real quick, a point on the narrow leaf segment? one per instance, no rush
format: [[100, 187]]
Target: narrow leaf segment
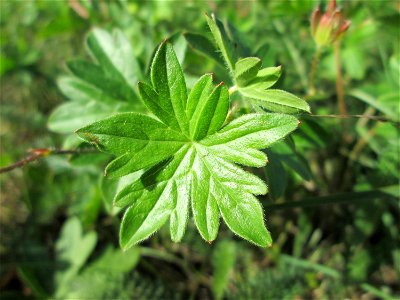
[[189, 158]]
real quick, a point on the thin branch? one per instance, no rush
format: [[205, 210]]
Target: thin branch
[[375, 118], [39, 153]]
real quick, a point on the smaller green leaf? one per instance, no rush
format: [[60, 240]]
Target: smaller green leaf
[[265, 78], [67, 117], [94, 75], [114, 53], [246, 70], [77, 89], [223, 260], [257, 131], [222, 40], [276, 100]]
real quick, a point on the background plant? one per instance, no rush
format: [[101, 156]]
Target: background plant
[[348, 247]]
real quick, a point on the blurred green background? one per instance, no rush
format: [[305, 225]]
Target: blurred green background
[[332, 209]]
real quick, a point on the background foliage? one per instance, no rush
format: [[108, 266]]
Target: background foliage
[[332, 208]]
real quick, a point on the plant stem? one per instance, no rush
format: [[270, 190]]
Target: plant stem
[[314, 65], [339, 80], [36, 154], [361, 117], [362, 142]]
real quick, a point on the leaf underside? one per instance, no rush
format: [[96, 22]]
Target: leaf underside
[[189, 157]]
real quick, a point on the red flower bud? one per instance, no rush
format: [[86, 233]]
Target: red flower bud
[[327, 28]]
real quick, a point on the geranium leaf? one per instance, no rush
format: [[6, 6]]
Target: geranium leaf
[[188, 158]]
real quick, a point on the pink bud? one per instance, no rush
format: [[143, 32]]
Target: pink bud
[[328, 27], [315, 18], [331, 7]]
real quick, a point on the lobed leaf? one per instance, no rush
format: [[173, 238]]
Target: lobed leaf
[[187, 157]]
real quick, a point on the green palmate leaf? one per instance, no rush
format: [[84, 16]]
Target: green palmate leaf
[[188, 158], [265, 78], [101, 88]]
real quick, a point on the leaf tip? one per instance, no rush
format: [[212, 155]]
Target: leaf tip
[[221, 84], [211, 74], [209, 242]]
